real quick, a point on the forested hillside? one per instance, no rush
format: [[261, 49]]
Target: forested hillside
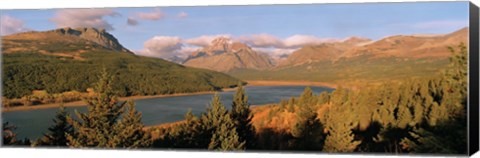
[[60, 72]]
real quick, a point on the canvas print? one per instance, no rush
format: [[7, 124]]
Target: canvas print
[[387, 78]]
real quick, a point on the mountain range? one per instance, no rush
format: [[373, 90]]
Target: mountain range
[[228, 56]]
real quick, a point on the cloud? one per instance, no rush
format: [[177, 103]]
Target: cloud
[[161, 46], [294, 41], [204, 40], [261, 40], [132, 22], [182, 15], [84, 18], [154, 15], [11, 25], [276, 53], [302, 40], [170, 46]]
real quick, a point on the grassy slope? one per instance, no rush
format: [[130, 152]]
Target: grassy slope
[[351, 70]]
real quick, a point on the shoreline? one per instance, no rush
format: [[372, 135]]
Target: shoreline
[[249, 83], [289, 83], [82, 103]]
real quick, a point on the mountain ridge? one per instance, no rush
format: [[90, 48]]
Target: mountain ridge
[[225, 55]]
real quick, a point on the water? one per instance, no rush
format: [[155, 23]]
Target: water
[[32, 124]]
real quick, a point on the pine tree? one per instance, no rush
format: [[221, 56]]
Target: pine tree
[[340, 121], [100, 126], [130, 133], [242, 117], [226, 138], [323, 98], [308, 131], [340, 137], [224, 135], [58, 132]]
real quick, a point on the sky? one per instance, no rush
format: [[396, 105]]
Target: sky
[[276, 29]]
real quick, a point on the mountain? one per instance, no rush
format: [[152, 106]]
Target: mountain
[[65, 60], [225, 55], [92, 37], [357, 59], [401, 46], [324, 52], [411, 46]]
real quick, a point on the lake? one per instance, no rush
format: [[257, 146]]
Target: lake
[[33, 123]]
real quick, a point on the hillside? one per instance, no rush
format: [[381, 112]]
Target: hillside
[[224, 55], [356, 60], [58, 61]]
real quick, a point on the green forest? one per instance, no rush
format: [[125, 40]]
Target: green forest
[[425, 115], [63, 79]]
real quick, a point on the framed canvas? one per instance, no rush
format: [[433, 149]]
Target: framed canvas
[[322, 78]]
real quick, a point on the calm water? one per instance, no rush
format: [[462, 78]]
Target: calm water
[[32, 124]]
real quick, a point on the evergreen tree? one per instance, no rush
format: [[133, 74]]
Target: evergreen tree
[[340, 121], [308, 131], [101, 126], [323, 98], [57, 132], [224, 135], [130, 133], [242, 117]]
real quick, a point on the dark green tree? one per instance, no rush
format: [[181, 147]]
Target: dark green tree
[[57, 132], [224, 135], [308, 131], [242, 117], [101, 126]]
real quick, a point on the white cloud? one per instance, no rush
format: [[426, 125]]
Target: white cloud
[[294, 41], [261, 40], [83, 18], [204, 40], [302, 40], [154, 15], [11, 25], [182, 15], [276, 53], [161, 46], [170, 46]]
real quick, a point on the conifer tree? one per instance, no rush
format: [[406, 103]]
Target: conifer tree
[[308, 131], [58, 132], [224, 135], [100, 126], [242, 117], [340, 121], [130, 133]]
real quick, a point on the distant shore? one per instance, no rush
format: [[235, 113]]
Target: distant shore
[[250, 83], [82, 103], [289, 83]]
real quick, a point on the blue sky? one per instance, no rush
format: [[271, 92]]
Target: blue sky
[[175, 25]]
